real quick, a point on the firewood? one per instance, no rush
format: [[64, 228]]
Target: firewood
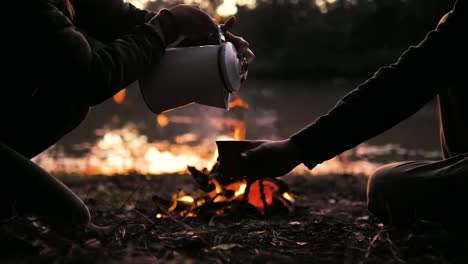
[[202, 179]]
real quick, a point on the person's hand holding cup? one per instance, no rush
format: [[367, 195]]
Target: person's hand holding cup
[[257, 159]]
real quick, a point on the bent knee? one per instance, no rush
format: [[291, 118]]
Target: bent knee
[[380, 187], [75, 217], [443, 20], [71, 210], [82, 215], [380, 180]]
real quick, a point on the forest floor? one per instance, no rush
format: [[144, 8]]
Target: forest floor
[[329, 224]]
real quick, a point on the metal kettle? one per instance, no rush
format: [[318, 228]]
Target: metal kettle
[[205, 75]]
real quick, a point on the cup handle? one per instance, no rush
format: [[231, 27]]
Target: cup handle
[[176, 42]]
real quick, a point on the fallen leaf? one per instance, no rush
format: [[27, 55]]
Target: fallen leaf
[[364, 217], [225, 246], [92, 243], [359, 236], [46, 251], [122, 232], [129, 207], [295, 223]]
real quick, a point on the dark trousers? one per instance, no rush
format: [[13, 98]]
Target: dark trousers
[[27, 189], [428, 190]]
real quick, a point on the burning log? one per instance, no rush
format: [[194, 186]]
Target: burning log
[[202, 179], [262, 197]]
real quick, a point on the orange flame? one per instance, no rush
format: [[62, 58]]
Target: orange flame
[[237, 126], [120, 96], [238, 102], [239, 132], [162, 120]]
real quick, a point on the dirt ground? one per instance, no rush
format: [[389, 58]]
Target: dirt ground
[[330, 224]]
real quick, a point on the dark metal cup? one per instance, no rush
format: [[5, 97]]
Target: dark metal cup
[[229, 157]]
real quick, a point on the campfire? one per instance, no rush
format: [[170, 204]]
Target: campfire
[[263, 197], [219, 195]]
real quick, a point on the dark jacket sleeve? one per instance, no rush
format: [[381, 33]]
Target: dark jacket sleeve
[[107, 20], [393, 94], [90, 76]]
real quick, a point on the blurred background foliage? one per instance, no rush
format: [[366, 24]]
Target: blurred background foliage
[[323, 39]]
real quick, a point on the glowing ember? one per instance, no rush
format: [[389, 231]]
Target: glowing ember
[[120, 96], [288, 197], [186, 199], [241, 190]]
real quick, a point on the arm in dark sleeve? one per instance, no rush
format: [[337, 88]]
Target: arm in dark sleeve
[[107, 20], [393, 94], [90, 76]]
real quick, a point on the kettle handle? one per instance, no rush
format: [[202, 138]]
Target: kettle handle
[[222, 38], [181, 38], [176, 42]]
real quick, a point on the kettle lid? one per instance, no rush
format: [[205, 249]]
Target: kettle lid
[[230, 66]]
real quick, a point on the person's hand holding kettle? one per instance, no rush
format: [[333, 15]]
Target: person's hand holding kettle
[[242, 46], [203, 63], [191, 26]]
